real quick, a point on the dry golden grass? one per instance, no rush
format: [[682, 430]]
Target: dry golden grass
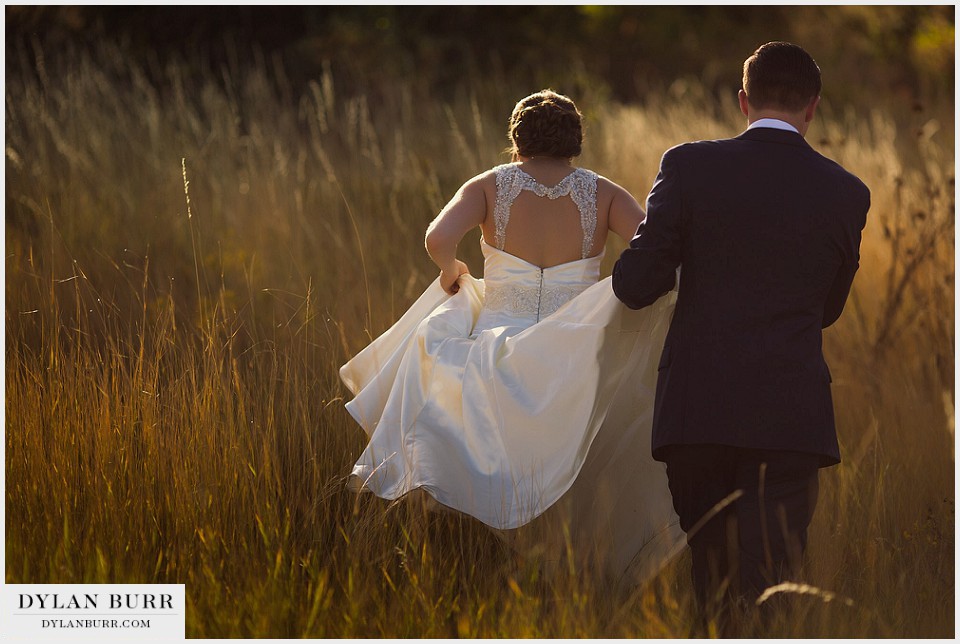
[[173, 407]]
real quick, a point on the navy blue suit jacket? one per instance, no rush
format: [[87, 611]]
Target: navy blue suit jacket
[[767, 234]]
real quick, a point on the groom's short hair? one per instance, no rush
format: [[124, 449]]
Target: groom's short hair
[[781, 75]]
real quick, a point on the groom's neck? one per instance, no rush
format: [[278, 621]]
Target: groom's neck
[[799, 119], [796, 120]]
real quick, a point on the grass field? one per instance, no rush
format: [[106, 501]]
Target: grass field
[[192, 253]]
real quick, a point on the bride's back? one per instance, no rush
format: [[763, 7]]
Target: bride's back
[[541, 230], [544, 233]]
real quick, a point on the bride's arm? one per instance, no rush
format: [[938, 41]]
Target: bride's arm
[[625, 214], [466, 211]]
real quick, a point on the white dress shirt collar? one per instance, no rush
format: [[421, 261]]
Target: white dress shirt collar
[[776, 124]]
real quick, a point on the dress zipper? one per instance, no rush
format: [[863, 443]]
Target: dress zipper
[[539, 294]]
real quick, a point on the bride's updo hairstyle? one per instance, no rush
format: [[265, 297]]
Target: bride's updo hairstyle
[[545, 124]]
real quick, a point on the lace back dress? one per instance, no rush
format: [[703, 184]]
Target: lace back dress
[[494, 399], [518, 293]]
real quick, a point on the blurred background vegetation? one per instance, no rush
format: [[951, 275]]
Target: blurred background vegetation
[[869, 54]]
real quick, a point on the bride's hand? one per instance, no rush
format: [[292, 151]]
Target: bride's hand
[[449, 277]]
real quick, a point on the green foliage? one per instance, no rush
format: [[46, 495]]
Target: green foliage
[[869, 54]]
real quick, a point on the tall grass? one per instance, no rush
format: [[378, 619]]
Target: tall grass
[[173, 407]]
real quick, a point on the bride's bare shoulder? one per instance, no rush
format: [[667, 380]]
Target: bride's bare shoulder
[[485, 181], [608, 185], [489, 177], [608, 190], [491, 174]]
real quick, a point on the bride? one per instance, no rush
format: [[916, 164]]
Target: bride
[[502, 396]]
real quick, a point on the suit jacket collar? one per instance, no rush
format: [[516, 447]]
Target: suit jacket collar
[[773, 135]]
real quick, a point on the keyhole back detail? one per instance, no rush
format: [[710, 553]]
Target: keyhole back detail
[[581, 185]]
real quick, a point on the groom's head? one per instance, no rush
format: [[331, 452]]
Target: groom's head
[[780, 78]]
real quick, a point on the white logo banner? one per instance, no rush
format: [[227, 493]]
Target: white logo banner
[[93, 612]]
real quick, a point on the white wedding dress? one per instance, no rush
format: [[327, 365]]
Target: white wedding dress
[[527, 386]]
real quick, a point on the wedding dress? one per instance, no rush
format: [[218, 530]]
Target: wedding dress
[[529, 385]]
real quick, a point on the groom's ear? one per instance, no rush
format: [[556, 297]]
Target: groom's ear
[[811, 108], [744, 107]]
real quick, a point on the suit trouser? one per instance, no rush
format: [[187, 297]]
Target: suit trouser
[[756, 540]]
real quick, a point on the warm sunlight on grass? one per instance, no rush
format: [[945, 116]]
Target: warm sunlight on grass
[[173, 408]]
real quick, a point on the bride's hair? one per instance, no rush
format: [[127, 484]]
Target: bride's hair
[[545, 124]]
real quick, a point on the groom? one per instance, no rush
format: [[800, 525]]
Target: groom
[[767, 234]]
